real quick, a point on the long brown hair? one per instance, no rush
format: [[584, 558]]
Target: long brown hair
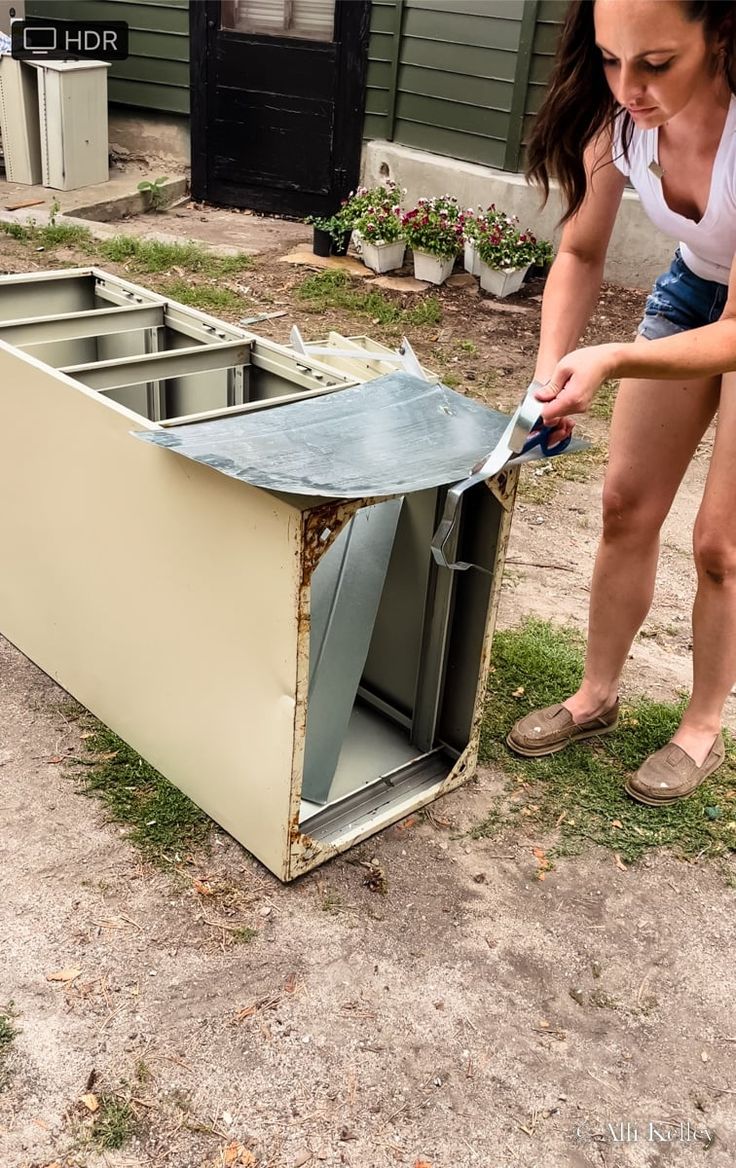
[[579, 103]]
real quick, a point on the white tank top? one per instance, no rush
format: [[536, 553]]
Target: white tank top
[[708, 246]]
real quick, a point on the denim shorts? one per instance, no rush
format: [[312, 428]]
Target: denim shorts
[[680, 300]]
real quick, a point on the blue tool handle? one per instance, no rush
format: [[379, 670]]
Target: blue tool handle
[[540, 436]]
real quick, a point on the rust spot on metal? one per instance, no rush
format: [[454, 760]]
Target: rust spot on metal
[[459, 774], [503, 487], [322, 525], [297, 836]]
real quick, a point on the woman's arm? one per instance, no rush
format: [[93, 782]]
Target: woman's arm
[[699, 352], [574, 281]]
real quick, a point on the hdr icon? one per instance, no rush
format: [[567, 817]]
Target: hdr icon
[[60, 40]]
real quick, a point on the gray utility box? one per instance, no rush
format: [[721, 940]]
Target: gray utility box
[[222, 548]]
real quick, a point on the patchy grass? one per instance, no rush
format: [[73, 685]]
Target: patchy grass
[[539, 481], [426, 311], [603, 402], [139, 255], [51, 236], [206, 297], [330, 290], [114, 1124], [147, 255], [332, 903], [15, 230], [576, 796], [244, 934], [162, 821], [451, 380], [62, 234], [7, 1038]]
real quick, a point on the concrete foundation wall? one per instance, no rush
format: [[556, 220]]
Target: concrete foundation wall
[[637, 252], [140, 134]]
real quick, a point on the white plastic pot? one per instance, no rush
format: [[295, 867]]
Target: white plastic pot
[[433, 269], [502, 281], [382, 257], [471, 259]]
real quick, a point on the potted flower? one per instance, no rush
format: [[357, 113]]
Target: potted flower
[[475, 225], [434, 231], [328, 235], [542, 259], [382, 247], [506, 254], [363, 199]]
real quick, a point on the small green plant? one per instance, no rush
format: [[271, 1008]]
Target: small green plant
[[332, 225], [115, 1122], [54, 211], [542, 254], [154, 188]]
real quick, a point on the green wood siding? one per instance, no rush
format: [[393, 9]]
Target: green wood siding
[[462, 78], [156, 74], [550, 15]]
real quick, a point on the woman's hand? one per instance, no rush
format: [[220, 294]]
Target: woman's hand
[[573, 385]]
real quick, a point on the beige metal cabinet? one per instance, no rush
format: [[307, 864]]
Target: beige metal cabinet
[[72, 110], [297, 664], [19, 123]]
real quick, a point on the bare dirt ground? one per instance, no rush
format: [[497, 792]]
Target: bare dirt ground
[[470, 1017]]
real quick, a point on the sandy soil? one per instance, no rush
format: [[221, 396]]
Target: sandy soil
[[471, 1017]]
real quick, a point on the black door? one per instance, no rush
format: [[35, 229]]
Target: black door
[[277, 102]]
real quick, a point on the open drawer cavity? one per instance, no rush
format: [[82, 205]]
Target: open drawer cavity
[[156, 357]]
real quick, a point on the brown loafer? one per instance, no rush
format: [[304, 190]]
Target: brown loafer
[[551, 729], [671, 774]]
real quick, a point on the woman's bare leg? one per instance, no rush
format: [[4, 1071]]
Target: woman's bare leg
[[656, 428], [714, 612]]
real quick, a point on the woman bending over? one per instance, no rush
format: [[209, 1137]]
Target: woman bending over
[[644, 90]]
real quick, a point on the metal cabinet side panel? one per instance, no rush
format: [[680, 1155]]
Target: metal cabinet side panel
[[73, 120], [162, 594], [19, 122]]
